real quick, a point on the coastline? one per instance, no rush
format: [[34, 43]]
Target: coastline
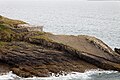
[[36, 53], [73, 75]]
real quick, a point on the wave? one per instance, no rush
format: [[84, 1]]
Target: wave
[[87, 75]]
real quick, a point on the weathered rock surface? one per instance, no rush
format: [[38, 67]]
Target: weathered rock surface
[[93, 51], [25, 59], [40, 53]]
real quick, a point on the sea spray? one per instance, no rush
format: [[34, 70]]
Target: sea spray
[[87, 75]]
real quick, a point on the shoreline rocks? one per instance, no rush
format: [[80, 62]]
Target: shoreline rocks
[[34, 53], [117, 50]]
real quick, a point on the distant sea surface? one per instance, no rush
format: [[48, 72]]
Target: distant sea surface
[[100, 19]]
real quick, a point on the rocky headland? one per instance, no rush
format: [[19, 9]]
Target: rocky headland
[[38, 53]]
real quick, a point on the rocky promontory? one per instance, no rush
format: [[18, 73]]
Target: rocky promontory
[[37, 53]]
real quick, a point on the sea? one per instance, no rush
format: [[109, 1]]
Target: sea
[[71, 17]]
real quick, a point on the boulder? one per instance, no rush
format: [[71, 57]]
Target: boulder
[[117, 50]]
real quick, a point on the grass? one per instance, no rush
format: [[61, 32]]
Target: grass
[[11, 22], [6, 34], [2, 27], [2, 43], [42, 37]]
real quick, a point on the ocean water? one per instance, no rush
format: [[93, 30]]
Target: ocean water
[[96, 18], [88, 75]]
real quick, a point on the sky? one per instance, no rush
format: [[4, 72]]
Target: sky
[[42, 0], [16, 1]]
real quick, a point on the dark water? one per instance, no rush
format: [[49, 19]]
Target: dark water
[[100, 19]]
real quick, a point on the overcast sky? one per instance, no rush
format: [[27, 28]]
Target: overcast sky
[[38, 0], [53, 0], [59, 0], [42, 0]]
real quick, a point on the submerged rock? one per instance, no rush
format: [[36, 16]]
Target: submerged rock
[[117, 50], [33, 53]]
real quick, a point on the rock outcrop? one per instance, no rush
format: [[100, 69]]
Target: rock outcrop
[[33, 53], [26, 60]]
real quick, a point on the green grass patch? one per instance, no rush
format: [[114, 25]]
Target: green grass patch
[[42, 37], [6, 34], [11, 22], [2, 27], [2, 43]]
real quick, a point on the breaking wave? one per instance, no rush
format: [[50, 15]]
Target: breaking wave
[[87, 75]]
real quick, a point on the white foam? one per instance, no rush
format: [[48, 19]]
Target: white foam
[[97, 71], [9, 76], [70, 76]]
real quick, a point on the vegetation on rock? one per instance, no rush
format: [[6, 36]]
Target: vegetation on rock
[[6, 34], [39, 53], [10, 22]]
